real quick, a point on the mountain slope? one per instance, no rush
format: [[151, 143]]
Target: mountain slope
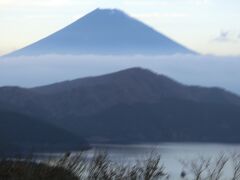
[[170, 120], [73, 99], [133, 105], [105, 31], [91, 95], [20, 133]]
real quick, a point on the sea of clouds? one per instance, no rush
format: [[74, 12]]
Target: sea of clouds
[[188, 69]]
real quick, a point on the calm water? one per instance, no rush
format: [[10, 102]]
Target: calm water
[[172, 154]]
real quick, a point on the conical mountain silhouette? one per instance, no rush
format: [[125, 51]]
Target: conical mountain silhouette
[[105, 31]]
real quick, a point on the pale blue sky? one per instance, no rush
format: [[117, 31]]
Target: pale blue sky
[[207, 26]]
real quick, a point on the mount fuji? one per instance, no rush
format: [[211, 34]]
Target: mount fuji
[[105, 32]]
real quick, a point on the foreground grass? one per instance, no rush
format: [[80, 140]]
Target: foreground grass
[[99, 167], [27, 170]]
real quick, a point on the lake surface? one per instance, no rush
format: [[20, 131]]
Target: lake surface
[[171, 154]]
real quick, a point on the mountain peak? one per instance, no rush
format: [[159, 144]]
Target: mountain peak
[[105, 15], [109, 11], [137, 71], [105, 32]]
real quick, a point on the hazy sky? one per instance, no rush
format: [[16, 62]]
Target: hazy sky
[[207, 26], [188, 69]]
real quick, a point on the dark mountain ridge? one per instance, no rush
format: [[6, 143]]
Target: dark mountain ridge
[[94, 94], [142, 85], [169, 120], [117, 106], [24, 134]]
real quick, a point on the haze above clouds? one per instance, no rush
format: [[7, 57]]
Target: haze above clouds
[[198, 24], [188, 69]]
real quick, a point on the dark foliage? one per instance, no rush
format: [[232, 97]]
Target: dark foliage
[[27, 170]]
